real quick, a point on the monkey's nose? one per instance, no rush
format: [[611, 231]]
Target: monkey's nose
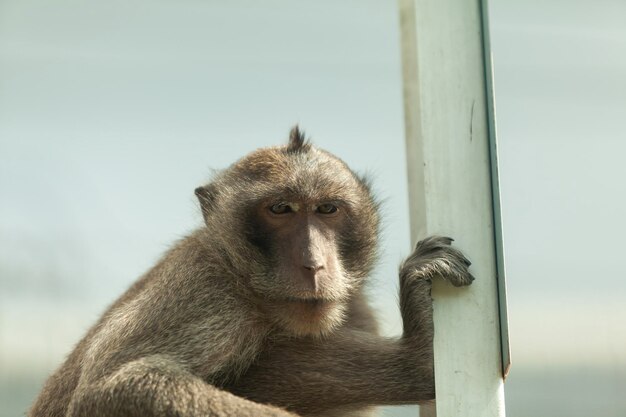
[[313, 268], [311, 275]]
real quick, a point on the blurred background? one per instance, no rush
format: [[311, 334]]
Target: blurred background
[[111, 113]]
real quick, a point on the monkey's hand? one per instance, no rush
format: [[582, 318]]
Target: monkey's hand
[[432, 257]]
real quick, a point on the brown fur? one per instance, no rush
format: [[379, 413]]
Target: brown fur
[[261, 312]]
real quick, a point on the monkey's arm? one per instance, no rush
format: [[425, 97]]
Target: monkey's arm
[[158, 386], [348, 370]]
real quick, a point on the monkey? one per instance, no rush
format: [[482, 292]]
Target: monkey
[[262, 311]]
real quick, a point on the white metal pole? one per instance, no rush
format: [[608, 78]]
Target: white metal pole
[[450, 139]]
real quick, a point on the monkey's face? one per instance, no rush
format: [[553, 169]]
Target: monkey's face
[[307, 237], [306, 286]]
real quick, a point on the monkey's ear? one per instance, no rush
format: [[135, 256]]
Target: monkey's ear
[[297, 141], [206, 196]]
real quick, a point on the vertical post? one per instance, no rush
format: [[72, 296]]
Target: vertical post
[[450, 141]]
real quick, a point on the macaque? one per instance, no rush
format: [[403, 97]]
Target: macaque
[[261, 311]]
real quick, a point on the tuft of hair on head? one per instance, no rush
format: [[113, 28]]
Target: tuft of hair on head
[[297, 141]]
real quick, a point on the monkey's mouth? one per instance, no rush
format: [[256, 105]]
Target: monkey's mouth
[[310, 302]]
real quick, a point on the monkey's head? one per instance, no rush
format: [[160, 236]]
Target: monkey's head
[[298, 228]]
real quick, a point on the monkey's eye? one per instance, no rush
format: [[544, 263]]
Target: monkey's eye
[[326, 208], [281, 208]]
